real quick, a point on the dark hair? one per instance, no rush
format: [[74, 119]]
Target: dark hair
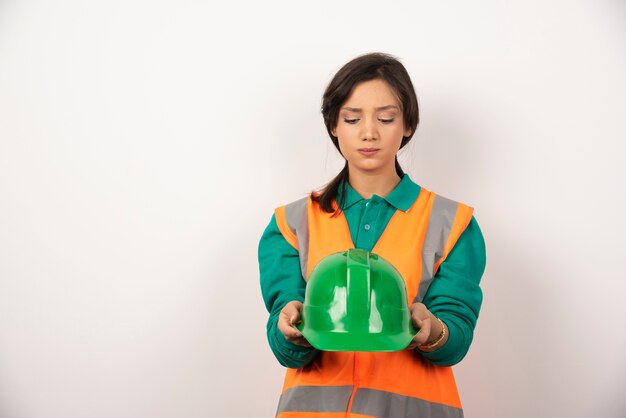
[[376, 65]]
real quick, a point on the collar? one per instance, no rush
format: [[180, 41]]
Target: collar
[[401, 197]]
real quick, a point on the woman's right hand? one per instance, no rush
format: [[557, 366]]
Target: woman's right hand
[[291, 315]]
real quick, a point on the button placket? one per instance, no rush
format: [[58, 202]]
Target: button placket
[[366, 215]]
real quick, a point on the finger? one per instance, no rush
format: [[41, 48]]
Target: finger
[[412, 346], [288, 329], [423, 334], [302, 341], [291, 315], [293, 310], [418, 311], [293, 335]]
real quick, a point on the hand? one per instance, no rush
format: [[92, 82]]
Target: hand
[[290, 315], [429, 327]]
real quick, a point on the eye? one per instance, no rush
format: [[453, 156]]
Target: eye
[[351, 121], [386, 120]]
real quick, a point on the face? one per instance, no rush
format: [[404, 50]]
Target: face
[[370, 128]]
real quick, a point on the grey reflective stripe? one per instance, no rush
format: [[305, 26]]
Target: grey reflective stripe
[[298, 221], [439, 226], [315, 399], [371, 402], [381, 404]]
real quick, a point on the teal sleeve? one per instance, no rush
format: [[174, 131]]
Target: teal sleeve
[[281, 282], [455, 295]]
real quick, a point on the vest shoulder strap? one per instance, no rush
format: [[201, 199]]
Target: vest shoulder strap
[[448, 220], [292, 221], [290, 217]]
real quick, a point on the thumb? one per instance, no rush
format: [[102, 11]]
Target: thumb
[[292, 310]]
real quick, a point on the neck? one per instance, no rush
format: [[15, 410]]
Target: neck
[[369, 184]]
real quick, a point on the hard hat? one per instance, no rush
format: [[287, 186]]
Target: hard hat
[[356, 301]]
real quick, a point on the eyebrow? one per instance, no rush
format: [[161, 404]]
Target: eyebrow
[[358, 109]]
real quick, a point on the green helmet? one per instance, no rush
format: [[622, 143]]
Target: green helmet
[[356, 301]]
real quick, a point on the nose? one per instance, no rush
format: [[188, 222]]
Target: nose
[[370, 130]]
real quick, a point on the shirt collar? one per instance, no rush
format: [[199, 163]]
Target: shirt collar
[[401, 197]]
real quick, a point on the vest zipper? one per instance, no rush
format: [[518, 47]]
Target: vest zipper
[[355, 382]]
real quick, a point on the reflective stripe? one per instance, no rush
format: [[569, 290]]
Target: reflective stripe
[[315, 399], [298, 221], [294, 212], [378, 403], [284, 229], [371, 402], [439, 226], [390, 384]]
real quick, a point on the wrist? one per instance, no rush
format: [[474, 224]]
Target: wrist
[[439, 340]]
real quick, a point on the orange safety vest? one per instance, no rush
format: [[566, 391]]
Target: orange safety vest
[[375, 384]]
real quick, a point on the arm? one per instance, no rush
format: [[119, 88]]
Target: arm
[[281, 282], [455, 296]]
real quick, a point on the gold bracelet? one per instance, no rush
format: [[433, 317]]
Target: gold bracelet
[[438, 340]]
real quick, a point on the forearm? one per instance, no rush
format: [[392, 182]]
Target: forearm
[[455, 296], [287, 353], [454, 347], [281, 282]]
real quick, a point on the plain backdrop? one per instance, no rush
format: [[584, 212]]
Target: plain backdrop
[[145, 144]]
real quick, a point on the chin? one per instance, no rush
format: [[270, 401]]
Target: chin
[[368, 168]]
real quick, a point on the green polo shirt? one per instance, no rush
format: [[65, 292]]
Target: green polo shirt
[[454, 295]]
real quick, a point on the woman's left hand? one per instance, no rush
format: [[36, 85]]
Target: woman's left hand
[[428, 325]]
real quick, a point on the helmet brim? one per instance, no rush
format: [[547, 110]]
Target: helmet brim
[[352, 341]]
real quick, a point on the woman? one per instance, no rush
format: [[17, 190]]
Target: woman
[[370, 111]]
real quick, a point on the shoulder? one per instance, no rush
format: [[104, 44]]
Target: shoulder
[[445, 200], [296, 205], [461, 215], [290, 216], [447, 210], [291, 213], [449, 218]]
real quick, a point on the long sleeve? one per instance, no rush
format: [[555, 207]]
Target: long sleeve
[[281, 282], [455, 295]]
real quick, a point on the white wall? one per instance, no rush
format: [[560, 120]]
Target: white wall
[[144, 144]]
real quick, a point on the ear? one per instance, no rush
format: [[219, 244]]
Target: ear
[[334, 132], [407, 132]]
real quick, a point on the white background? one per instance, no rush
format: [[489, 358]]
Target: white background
[[144, 145]]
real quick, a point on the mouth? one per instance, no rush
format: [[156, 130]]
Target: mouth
[[368, 151]]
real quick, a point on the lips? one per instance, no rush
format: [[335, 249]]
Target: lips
[[368, 151]]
